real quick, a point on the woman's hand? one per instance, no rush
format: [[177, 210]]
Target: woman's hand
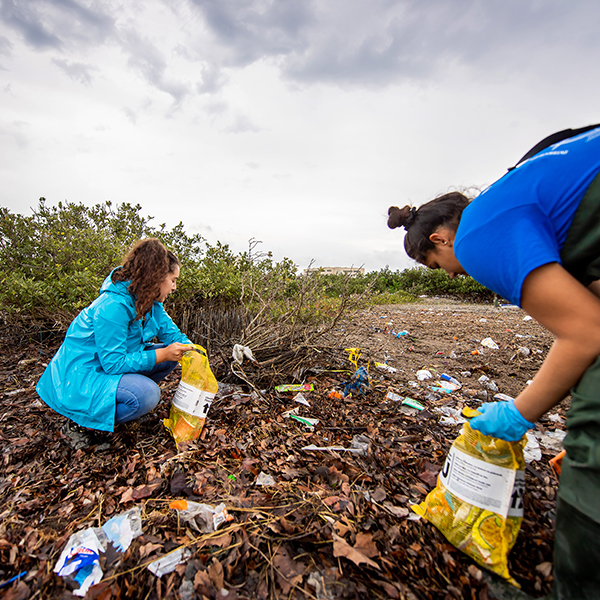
[[501, 420], [174, 352]]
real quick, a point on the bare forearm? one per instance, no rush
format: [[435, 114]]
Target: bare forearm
[[565, 364]]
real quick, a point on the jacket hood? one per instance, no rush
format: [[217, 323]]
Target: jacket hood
[[119, 287]]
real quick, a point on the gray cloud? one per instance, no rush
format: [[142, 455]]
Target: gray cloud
[[55, 23], [147, 59], [76, 71], [5, 46], [242, 124], [251, 29], [388, 41]]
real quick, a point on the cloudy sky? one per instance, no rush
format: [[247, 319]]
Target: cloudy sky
[[294, 122]]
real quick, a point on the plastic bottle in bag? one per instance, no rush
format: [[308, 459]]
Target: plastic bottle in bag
[[193, 396]]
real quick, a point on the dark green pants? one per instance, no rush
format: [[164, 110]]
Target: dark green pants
[[576, 555], [577, 536]]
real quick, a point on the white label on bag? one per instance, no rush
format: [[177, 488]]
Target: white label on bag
[[482, 484], [192, 400]]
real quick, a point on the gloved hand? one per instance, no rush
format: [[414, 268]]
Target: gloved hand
[[501, 420]]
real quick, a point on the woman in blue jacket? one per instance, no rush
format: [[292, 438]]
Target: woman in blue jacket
[[107, 369], [533, 237]]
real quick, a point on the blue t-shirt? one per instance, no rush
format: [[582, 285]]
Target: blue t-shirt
[[521, 221]]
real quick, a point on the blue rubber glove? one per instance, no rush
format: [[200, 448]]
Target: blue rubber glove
[[501, 420]]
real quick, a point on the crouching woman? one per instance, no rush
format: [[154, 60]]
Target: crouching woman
[[107, 370]]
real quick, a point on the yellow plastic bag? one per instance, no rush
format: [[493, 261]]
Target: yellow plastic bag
[[193, 396], [478, 500]]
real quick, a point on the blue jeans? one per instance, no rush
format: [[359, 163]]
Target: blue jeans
[[138, 393]]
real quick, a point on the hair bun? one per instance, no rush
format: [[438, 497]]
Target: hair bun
[[401, 217]]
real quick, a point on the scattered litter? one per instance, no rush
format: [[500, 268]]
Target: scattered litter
[[483, 320], [359, 383], [384, 367], [503, 397], [483, 379], [489, 343], [394, 397], [449, 385], [413, 384], [466, 373], [289, 413], [492, 386], [442, 390], [306, 421], [478, 394], [551, 440], [80, 557], [528, 318], [240, 351], [523, 351], [360, 445], [299, 397], [413, 403], [201, 517], [424, 374], [532, 450], [166, 564], [451, 416], [556, 418], [122, 529], [295, 387], [264, 479], [334, 394]]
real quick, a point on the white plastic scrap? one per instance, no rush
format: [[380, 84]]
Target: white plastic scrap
[[532, 450], [551, 440], [360, 445], [166, 564], [489, 343], [394, 397], [528, 318], [384, 367], [81, 558], [451, 416], [203, 517], [424, 374], [299, 397], [124, 528], [81, 555], [240, 351], [264, 479]]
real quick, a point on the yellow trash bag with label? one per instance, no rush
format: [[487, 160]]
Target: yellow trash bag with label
[[478, 500], [193, 396]]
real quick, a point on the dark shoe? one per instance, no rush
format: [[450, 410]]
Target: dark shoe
[[81, 437]]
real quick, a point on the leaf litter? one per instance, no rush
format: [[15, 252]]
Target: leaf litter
[[321, 524]]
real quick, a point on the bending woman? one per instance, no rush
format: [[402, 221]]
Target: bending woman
[[108, 368], [533, 237]]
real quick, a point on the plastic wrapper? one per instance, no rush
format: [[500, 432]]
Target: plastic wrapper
[[193, 396], [80, 558], [478, 500], [201, 517]]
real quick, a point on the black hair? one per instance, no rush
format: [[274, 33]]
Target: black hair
[[421, 222]]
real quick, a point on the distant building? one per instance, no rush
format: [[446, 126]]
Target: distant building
[[352, 271]]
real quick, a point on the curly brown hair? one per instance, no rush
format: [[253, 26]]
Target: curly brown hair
[[146, 265]]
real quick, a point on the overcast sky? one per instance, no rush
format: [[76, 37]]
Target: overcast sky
[[295, 122]]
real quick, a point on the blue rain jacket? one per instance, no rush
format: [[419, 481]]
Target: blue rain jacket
[[103, 343]]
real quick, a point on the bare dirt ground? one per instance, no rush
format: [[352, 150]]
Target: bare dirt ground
[[330, 524]]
